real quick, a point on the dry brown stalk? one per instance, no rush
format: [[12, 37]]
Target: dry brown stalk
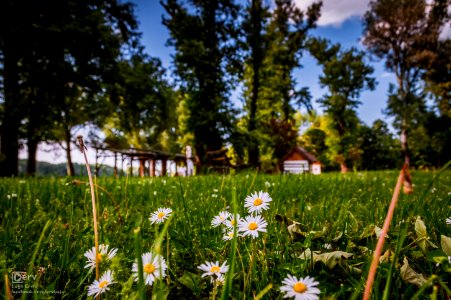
[[93, 198], [380, 243]]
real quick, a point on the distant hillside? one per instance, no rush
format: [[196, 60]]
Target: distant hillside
[[49, 169]]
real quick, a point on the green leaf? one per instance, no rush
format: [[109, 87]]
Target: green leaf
[[191, 281], [422, 235], [298, 230], [330, 259], [410, 276], [445, 243]]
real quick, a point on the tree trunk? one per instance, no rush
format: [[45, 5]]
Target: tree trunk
[[405, 146], [9, 130], [69, 165], [257, 58], [32, 146], [344, 168]]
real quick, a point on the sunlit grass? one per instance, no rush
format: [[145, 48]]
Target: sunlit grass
[[345, 204]]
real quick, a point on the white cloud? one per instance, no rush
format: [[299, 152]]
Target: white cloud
[[386, 75], [446, 32], [335, 12]]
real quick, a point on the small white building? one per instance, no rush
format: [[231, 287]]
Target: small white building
[[300, 161]]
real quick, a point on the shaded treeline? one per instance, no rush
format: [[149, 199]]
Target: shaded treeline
[[66, 65]]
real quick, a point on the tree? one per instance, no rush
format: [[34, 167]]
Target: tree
[[346, 75], [287, 34], [69, 42], [204, 38], [254, 26], [141, 104], [431, 141], [380, 151], [438, 78], [405, 34], [279, 95]]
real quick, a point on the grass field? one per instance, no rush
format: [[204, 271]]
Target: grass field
[[46, 227]]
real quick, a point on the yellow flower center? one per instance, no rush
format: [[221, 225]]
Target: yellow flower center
[[231, 234], [232, 222], [99, 257], [221, 218], [103, 284], [258, 202], [252, 226], [149, 268], [299, 287], [215, 269], [160, 215]]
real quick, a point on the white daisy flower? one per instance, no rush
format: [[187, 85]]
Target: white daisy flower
[[327, 246], [228, 235], [218, 281], [103, 254], [154, 266], [251, 225], [448, 221], [101, 286], [160, 215], [211, 268], [220, 219], [302, 289], [232, 221], [257, 202]]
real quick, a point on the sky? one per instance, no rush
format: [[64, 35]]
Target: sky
[[340, 22]]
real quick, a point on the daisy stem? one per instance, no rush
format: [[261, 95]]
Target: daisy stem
[[227, 289], [214, 292], [93, 199], [184, 204], [167, 255], [141, 286], [253, 181], [251, 265]]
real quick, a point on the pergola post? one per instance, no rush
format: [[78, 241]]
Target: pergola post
[[152, 167], [163, 167], [115, 164], [142, 166], [122, 164]]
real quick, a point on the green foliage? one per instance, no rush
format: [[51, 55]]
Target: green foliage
[[406, 35], [380, 150], [205, 62], [346, 75], [141, 111], [274, 45]]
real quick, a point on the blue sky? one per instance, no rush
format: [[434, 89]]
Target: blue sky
[[340, 23]]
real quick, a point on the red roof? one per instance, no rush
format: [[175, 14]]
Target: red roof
[[303, 153]]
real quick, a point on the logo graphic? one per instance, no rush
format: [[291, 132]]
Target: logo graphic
[[21, 277]]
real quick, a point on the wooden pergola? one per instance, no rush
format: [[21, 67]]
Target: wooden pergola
[[147, 160]]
